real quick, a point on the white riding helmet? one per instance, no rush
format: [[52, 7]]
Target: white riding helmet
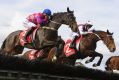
[[89, 22]]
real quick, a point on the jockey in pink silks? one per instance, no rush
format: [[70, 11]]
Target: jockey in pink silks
[[36, 20]]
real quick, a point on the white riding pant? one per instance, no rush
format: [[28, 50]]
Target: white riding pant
[[74, 34], [28, 24]]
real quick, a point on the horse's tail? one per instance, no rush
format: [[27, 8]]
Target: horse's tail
[[3, 45], [107, 62]]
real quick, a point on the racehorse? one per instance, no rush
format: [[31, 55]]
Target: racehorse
[[112, 63], [87, 48], [44, 37]]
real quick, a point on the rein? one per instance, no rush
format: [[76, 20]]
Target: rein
[[97, 36], [55, 22], [49, 28]]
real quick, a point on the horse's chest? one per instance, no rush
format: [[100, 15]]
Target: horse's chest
[[51, 35], [87, 44]]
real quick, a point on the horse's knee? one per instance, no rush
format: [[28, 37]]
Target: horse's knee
[[100, 55]]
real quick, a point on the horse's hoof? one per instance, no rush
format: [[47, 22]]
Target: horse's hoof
[[87, 61], [95, 65]]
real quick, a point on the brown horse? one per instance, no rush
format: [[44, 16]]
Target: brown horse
[[47, 36], [87, 48], [112, 63]]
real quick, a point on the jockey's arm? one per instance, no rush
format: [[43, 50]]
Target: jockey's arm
[[81, 29], [41, 21], [82, 32], [91, 29], [74, 34]]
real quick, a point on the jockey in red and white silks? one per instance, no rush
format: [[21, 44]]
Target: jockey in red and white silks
[[83, 30]]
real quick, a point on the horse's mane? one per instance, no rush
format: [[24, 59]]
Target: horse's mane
[[98, 31], [57, 15]]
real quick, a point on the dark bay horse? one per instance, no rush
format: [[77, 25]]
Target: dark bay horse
[[112, 63], [47, 36], [88, 46]]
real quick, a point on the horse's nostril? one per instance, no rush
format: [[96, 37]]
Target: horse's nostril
[[113, 49]]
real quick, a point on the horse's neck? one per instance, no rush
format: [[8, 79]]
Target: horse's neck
[[55, 23], [93, 36], [99, 35]]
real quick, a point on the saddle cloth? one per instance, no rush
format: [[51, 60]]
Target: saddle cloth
[[70, 51], [30, 38]]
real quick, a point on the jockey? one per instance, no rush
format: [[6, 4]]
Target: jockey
[[83, 30], [36, 20]]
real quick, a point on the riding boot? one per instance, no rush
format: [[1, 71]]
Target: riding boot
[[30, 30], [73, 44], [59, 50]]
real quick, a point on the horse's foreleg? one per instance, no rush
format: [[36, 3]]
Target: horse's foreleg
[[90, 60], [51, 55], [100, 60], [91, 54]]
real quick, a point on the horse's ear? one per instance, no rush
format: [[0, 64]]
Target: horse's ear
[[112, 33], [69, 11], [109, 32]]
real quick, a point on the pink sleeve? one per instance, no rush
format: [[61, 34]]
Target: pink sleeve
[[38, 20], [41, 20]]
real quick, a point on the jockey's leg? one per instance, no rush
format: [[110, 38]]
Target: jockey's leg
[[30, 30], [59, 50], [73, 44]]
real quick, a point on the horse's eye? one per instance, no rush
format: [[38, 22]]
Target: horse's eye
[[110, 38]]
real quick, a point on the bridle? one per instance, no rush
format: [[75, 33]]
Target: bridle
[[100, 37], [49, 28]]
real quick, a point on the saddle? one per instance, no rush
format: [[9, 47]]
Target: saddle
[[70, 51], [30, 37]]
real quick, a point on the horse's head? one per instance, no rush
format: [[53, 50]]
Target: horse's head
[[70, 20], [67, 18], [108, 40]]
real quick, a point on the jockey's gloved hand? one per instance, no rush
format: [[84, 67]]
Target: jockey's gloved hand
[[93, 30]]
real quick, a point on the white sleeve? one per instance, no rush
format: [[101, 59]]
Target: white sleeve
[[80, 29], [74, 34], [85, 33], [28, 24], [92, 28]]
